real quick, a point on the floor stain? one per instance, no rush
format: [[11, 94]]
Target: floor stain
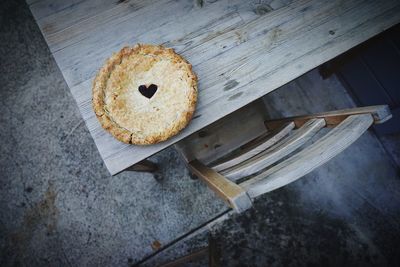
[[156, 245], [45, 213]]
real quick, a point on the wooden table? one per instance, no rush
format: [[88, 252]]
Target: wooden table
[[240, 50]]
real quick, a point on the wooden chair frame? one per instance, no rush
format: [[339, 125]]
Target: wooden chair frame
[[284, 147]]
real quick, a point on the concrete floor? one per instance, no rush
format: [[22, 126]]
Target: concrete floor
[[59, 206]]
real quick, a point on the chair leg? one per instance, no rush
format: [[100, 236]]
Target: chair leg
[[211, 250], [213, 253], [143, 166], [201, 253]]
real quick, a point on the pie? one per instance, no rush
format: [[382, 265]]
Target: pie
[[145, 94]]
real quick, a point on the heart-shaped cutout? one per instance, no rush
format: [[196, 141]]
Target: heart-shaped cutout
[[148, 91]]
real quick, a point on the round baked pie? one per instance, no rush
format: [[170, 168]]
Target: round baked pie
[[145, 94]]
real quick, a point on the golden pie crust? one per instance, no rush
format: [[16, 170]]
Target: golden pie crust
[[133, 118]]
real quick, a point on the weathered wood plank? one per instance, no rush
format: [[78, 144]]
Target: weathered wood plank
[[380, 114], [256, 148], [311, 157], [208, 22], [113, 26], [104, 22], [230, 192], [227, 44], [276, 152], [56, 15], [223, 28]]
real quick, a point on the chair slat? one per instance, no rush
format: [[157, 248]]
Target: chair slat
[[259, 146], [311, 157], [276, 152], [380, 114], [232, 193]]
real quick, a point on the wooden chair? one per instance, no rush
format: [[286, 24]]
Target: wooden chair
[[244, 156]]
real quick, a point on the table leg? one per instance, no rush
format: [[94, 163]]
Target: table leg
[[143, 166]]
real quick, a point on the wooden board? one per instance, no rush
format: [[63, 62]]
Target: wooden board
[[224, 136], [239, 49]]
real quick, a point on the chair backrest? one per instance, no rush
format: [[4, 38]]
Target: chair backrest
[[284, 153]]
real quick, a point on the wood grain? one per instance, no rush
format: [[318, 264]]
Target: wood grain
[[311, 157], [238, 53], [266, 141], [233, 194], [276, 152], [226, 135]]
